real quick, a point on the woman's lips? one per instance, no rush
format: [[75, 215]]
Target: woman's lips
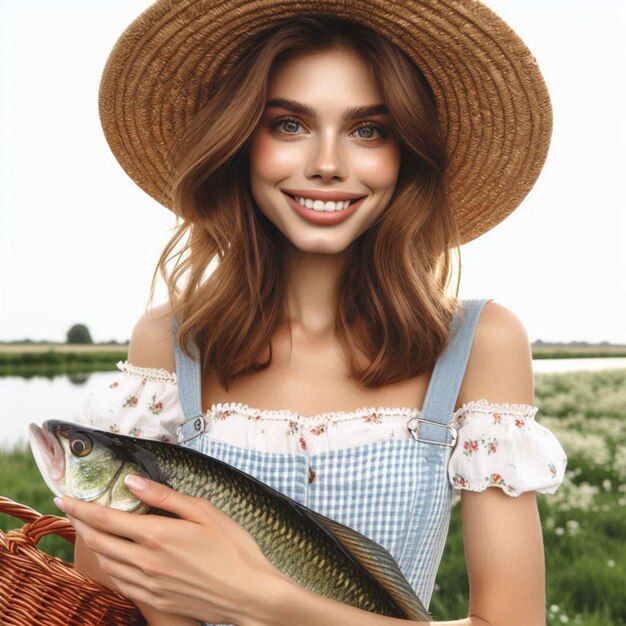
[[322, 218]]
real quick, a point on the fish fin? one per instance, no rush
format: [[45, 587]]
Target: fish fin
[[376, 560]]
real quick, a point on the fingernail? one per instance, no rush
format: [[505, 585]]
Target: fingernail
[[58, 502], [135, 483]]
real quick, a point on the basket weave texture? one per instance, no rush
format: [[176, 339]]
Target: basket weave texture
[[36, 588]]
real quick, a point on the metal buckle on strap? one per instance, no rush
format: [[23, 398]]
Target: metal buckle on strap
[[414, 427], [198, 427]]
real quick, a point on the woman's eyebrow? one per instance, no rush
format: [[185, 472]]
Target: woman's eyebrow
[[354, 113]]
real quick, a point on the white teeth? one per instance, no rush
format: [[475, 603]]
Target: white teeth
[[319, 205]]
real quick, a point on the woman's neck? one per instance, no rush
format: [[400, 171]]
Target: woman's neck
[[311, 290]]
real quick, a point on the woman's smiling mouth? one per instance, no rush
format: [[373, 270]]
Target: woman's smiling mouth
[[324, 212]]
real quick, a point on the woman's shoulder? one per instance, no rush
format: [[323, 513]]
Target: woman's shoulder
[[495, 414], [152, 340], [497, 319], [499, 367]]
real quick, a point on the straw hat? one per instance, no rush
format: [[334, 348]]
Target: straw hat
[[492, 101]]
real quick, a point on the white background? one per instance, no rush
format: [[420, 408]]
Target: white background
[[79, 241]]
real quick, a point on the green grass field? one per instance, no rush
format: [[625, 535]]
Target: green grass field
[[584, 523], [26, 348], [52, 359]]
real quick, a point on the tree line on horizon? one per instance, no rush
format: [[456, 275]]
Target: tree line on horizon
[[79, 334]]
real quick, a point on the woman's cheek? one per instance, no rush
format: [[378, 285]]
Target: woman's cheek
[[271, 160], [379, 167]]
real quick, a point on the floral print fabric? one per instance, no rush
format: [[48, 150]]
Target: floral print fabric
[[498, 445], [265, 430], [142, 402], [502, 445]]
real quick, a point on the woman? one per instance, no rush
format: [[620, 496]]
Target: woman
[[330, 179]]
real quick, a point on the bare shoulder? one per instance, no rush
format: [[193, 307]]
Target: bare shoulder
[[151, 344], [499, 368]]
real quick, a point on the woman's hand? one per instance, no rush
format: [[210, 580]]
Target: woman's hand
[[203, 565]]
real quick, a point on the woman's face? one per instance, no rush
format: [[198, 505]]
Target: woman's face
[[312, 144]]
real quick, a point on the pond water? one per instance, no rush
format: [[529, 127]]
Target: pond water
[[26, 400]]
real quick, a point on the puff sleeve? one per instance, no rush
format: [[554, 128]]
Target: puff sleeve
[[141, 402], [501, 445]]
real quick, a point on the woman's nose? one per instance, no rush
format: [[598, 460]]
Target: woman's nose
[[326, 158]]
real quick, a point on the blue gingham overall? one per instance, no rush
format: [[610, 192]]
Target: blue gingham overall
[[395, 491]]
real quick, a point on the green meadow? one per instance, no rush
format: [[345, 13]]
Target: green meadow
[[584, 523], [52, 359]]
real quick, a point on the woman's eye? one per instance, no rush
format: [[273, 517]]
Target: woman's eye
[[282, 122], [371, 130]]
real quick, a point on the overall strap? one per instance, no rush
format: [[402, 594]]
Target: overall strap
[[188, 377], [447, 375]]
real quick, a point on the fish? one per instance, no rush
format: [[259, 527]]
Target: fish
[[315, 551]]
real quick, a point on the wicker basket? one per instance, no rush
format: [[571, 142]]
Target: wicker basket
[[36, 588]]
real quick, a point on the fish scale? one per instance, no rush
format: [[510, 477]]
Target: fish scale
[[291, 546], [316, 552]]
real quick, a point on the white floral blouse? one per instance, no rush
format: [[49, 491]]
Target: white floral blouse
[[498, 445]]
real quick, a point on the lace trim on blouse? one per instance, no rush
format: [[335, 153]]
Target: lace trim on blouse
[[484, 406], [147, 373], [375, 413], [499, 444], [521, 412]]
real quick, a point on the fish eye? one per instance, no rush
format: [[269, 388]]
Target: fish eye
[[81, 445]]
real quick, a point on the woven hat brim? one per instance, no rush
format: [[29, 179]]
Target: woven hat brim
[[492, 100]]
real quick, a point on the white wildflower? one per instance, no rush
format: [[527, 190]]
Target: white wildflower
[[589, 448], [619, 462], [571, 496]]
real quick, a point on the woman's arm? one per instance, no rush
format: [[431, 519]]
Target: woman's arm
[[504, 554], [294, 604], [150, 346], [502, 534]]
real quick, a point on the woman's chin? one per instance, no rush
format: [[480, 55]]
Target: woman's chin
[[322, 244], [323, 250]]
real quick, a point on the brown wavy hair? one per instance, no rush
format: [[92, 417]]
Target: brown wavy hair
[[226, 285]]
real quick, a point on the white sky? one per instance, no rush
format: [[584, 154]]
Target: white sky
[[79, 240]]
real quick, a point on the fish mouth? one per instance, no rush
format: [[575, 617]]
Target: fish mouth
[[49, 457], [50, 444]]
